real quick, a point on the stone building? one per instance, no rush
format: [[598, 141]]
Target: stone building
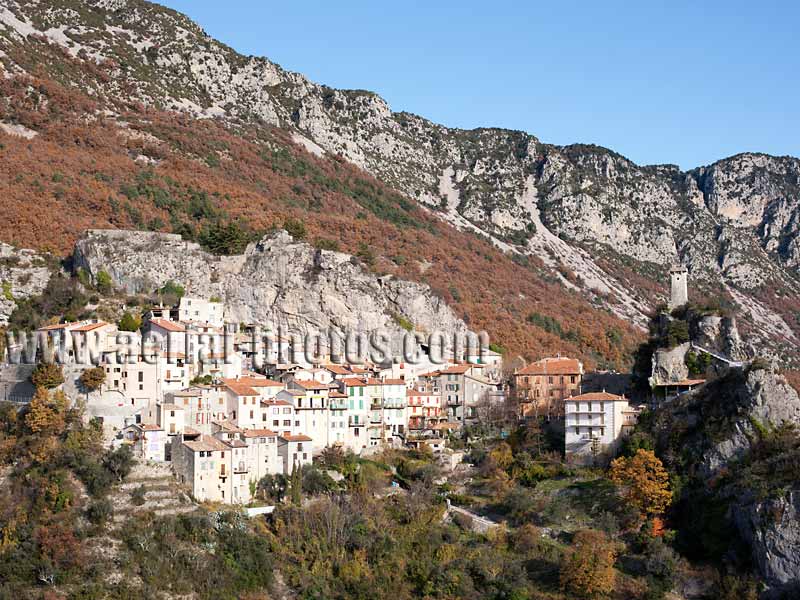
[[679, 291], [542, 386]]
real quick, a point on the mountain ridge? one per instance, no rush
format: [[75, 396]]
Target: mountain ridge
[[600, 223]]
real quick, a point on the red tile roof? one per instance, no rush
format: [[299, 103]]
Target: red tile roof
[[241, 390], [206, 443], [553, 366], [311, 384], [274, 402], [55, 327], [296, 438], [168, 325], [682, 382], [595, 397], [91, 326], [253, 433], [420, 393], [251, 382], [456, 370]]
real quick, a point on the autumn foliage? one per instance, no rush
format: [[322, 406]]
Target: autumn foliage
[[148, 169], [644, 482], [93, 378], [588, 567]]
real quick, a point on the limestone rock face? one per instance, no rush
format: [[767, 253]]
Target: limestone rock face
[[764, 397], [669, 364], [277, 282], [23, 273], [772, 528], [711, 431]]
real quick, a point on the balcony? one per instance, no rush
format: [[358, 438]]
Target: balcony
[[240, 468], [354, 422], [376, 406], [337, 405], [375, 419], [454, 402], [394, 405]]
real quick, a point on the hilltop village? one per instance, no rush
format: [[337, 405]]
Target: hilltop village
[[191, 397]]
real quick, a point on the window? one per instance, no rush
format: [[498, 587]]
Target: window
[[275, 423]]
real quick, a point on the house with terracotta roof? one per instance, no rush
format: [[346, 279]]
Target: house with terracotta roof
[[337, 417], [310, 398], [243, 404], [215, 470], [542, 386], [200, 405], [279, 414], [594, 425], [295, 451], [423, 409], [84, 342], [148, 441], [464, 390], [262, 453], [358, 412]]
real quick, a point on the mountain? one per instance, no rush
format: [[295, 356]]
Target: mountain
[[586, 235]]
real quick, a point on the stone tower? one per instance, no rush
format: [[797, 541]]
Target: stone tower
[[679, 291]]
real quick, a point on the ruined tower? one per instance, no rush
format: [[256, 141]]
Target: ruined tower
[[679, 292]]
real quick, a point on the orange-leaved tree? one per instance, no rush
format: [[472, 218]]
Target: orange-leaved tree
[[588, 566], [644, 482]]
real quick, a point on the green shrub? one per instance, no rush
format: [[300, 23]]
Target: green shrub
[[129, 322], [100, 511], [104, 283], [295, 228], [326, 244], [138, 495]]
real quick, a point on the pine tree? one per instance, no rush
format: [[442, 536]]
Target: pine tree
[[296, 486]]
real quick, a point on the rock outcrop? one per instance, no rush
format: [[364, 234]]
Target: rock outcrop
[[772, 529], [277, 282], [709, 436], [23, 273]]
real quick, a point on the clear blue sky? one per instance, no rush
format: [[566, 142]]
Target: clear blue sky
[[660, 82]]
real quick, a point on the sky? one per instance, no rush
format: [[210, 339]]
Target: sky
[[676, 82]]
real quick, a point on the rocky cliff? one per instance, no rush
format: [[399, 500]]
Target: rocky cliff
[[23, 273], [734, 445], [601, 223], [277, 282]]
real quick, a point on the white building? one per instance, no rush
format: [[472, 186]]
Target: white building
[[201, 310], [595, 424]]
